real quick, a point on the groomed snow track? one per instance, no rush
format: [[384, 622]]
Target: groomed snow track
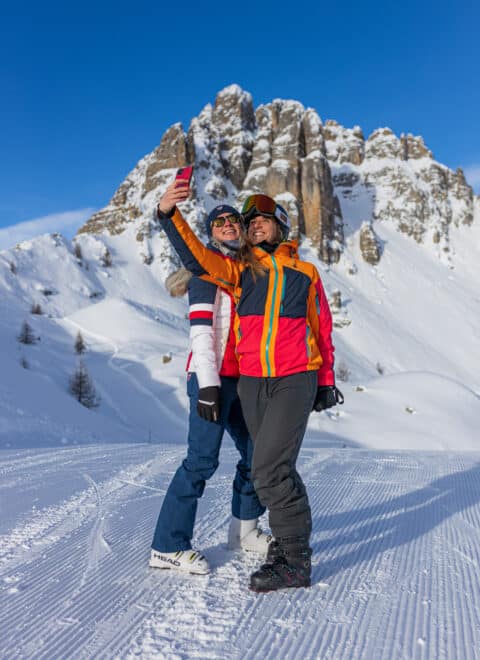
[[396, 560]]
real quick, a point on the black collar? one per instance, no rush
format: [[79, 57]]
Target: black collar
[[268, 247]]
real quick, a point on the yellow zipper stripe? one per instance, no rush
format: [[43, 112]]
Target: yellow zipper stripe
[[269, 302], [275, 318]]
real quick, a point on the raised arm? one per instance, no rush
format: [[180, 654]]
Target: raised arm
[[201, 261]]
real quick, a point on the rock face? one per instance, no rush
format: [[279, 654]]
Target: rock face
[[370, 244], [398, 181], [331, 180], [344, 145]]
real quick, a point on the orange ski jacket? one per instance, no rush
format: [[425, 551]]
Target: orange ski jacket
[[283, 323]]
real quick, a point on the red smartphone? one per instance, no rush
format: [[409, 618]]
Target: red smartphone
[[184, 175]]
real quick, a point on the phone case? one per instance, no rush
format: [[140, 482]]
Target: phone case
[[184, 174]]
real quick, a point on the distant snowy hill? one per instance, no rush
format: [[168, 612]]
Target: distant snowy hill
[[406, 341]]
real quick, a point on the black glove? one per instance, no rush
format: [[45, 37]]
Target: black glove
[[208, 405], [327, 396]]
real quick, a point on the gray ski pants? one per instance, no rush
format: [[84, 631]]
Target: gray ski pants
[[276, 411]]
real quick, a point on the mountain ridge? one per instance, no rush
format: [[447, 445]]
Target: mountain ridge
[[330, 178]]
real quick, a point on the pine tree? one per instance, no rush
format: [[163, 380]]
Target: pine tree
[[26, 335], [106, 258], [78, 251], [80, 346], [82, 388]]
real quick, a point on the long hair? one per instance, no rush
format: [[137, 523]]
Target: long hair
[[248, 258]]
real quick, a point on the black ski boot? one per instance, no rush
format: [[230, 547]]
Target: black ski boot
[[274, 551], [287, 545], [288, 565]]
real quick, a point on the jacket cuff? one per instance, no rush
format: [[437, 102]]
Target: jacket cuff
[[159, 215], [206, 379], [325, 378]]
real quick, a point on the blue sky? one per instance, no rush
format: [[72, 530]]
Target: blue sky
[[89, 88]]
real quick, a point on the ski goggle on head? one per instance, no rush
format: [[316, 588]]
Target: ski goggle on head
[[221, 220], [264, 205]]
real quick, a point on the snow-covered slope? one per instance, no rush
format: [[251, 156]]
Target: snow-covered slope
[[136, 338], [406, 341], [396, 549]]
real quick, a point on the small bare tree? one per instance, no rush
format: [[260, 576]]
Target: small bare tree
[[36, 309], [79, 345], [82, 388], [106, 259], [343, 372], [26, 335], [78, 251]]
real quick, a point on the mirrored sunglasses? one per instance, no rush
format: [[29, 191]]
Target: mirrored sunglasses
[[220, 222]]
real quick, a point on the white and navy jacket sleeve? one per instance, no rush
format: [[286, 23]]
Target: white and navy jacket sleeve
[[203, 358]]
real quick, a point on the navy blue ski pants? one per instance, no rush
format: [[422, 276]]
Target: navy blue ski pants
[[176, 520]]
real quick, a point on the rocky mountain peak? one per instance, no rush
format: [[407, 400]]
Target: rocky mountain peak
[[331, 180], [383, 143], [414, 147], [344, 145], [233, 118]]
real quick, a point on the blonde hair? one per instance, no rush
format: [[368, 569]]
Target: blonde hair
[[248, 258]]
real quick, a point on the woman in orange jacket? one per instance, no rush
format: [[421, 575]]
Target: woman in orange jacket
[[283, 328]]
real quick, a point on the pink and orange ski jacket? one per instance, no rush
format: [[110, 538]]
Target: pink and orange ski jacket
[[283, 323]]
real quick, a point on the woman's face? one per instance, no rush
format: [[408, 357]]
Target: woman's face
[[229, 232], [261, 229]]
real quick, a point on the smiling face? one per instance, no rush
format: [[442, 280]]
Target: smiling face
[[229, 232], [261, 228]]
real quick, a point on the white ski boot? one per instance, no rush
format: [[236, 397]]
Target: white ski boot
[[185, 561], [247, 535]]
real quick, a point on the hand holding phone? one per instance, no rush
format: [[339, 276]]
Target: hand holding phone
[[178, 191]]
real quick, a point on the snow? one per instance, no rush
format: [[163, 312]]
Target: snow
[[234, 90], [395, 572], [392, 474]]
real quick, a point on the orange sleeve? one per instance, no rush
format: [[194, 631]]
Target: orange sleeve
[[211, 266]]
